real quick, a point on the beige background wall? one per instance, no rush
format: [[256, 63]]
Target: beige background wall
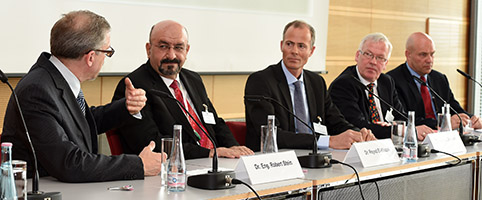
[[349, 20]]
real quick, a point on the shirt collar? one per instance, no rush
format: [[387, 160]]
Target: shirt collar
[[413, 73], [364, 81], [71, 79], [169, 81], [289, 77]]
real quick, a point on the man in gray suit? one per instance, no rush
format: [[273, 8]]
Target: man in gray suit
[[63, 129]]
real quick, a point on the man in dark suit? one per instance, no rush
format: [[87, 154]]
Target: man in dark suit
[[361, 108], [419, 52], [302, 92], [62, 127], [167, 50]]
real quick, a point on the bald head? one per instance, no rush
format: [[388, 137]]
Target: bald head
[[174, 27], [419, 51], [418, 39]]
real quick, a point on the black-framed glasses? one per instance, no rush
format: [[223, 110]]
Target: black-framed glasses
[[108, 52], [371, 56]]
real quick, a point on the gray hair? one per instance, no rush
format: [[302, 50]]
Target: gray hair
[[77, 33], [377, 37]]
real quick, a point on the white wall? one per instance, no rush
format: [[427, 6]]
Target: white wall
[[225, 36]]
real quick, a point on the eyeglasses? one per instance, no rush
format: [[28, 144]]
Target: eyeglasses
[[371, 56], [108, 52], [165, 47]]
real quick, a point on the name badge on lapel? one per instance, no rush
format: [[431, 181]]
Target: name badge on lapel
[[208, 116], [319, 128], [389, 116]]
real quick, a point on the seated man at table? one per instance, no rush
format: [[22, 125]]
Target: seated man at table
[[419, 52], [360, 107], [167, 50], [62, 127], [301, 91]]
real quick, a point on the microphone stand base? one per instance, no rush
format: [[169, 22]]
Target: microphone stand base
[[319, 160], [44, 195], [469, 139], [211, 180]]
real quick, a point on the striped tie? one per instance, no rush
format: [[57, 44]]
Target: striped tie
[[81, 101]]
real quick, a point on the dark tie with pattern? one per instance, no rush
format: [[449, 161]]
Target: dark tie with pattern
[[81, 101], [372, 107], [427, 102], [300, 110]]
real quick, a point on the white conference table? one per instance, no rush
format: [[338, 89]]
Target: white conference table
[[315, 180]]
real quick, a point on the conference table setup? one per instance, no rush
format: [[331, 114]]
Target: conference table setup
[[437, 176]]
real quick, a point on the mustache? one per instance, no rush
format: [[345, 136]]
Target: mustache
[[166, 61]]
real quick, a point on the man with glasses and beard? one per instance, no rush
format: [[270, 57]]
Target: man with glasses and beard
[[167, 49]]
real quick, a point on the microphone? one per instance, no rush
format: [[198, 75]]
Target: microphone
[[312, 160], [379, 98], [214, 179], [467, 139], [35, 193], [468, 76]]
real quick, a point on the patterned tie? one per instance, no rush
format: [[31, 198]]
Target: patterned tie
[[372, 107], [81, 101], [427, 102], [300, 110], [204, 142]]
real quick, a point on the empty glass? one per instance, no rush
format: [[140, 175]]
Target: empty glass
[[398, 129]]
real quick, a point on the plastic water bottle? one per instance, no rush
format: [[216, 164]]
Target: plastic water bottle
[[410, 140], [7, 186], [444, 123], [176, 169]]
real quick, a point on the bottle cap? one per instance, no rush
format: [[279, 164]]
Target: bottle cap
[[7, 144]]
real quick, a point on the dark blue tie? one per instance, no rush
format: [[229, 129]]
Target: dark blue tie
[[81, 101]]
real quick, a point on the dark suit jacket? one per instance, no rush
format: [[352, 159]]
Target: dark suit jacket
[[65, 141], [271, 82], [350, 97], [160, 114], [411, 98]]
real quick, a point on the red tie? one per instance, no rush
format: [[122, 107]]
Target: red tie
[[427, 102], [205, 142]]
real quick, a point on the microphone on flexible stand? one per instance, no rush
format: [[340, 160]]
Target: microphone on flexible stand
[[383, 101], [214, 179], [312, 160], [35, 193], [467, 139], [469, 77]]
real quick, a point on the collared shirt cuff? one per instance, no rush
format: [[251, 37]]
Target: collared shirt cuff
[[137, 115], [323, 142]]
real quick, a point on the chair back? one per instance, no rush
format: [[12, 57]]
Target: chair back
[[239, 131], [114, 142]]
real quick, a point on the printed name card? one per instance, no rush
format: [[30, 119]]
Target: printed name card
[[448, 141], [264, 168], [372, 153]]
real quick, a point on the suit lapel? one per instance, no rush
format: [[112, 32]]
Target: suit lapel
[[285, 92], [72, 105], [385, 95], [411, 85], [174, 109]]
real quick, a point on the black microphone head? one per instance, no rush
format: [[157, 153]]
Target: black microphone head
[[359, 82], [419, 80], [3, 77], [464, 74]]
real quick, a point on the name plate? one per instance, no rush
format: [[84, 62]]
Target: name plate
[[372, 153], [448, 141], [264, 168]]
